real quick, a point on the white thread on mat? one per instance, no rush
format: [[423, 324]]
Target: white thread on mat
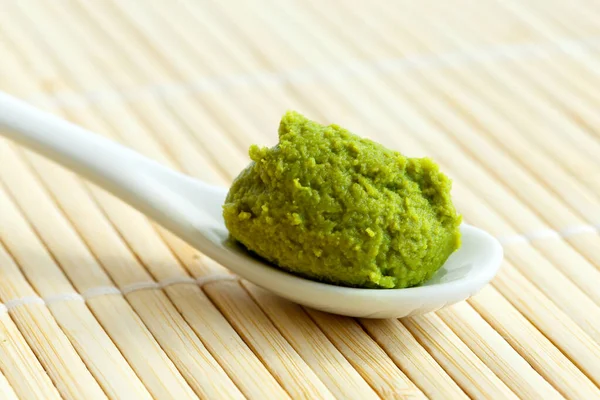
[[512, 239], [578, 230], [63, 297], [113, 290], [135, 287], [529, 236], [477, 55], [178, 280], [541, 234], [22, 301], [101, 291], [548, 234]]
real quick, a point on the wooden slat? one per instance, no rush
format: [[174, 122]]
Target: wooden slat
[[79, 325], [543, 356], [288, 367], [6, 390], [22, 370], [312, 344], [50, 345]]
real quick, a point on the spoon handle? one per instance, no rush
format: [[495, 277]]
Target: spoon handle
[[137, 180]]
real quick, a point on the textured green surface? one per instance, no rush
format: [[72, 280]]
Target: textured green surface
[[331, 206]]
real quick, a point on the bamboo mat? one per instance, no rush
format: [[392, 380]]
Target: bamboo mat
[[98, 302]]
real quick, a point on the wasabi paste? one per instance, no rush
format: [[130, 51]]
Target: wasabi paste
[[337, 208]]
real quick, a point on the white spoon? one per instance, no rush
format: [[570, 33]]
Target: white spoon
[[191, 209]]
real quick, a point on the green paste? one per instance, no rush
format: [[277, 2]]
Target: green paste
[[334, 207]]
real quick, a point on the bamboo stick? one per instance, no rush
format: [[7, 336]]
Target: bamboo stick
[[585, 64], [339, 374], [531, 299], [250, 375], [534, 22], [288, 367], [543, 355], [251, 323], [581, 141], [569, 86], [528, 117], [582, 69], [6, 391], [494, 351], [556, 325], [159, 375], [215, 105], [195, 21], [557, 102], [588, 16], [60, 360], [89, 339], [19, 365], [313, 346], [471, 374], [172, 138], [556, 15], [413, 359], [366, 355]]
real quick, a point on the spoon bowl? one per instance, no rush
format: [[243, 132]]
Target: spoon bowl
[[464, 273], [191, 209]]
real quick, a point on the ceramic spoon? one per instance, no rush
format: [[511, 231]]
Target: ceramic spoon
[[191, 209]]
